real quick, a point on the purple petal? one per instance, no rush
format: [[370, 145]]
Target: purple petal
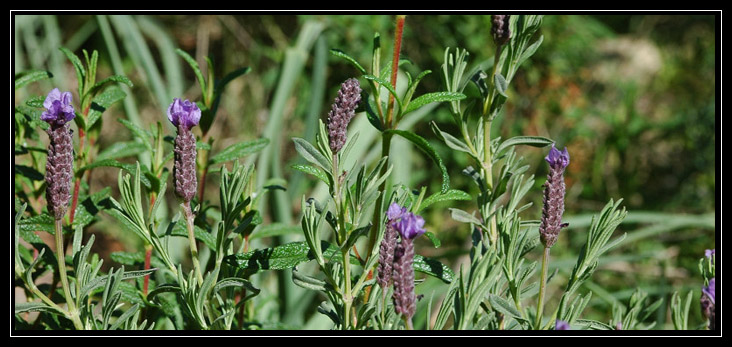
[[54, 95], [709, 253], [558, 159], [185, 113], [561, 325], [411, 226], [710, 290], [395, 211]]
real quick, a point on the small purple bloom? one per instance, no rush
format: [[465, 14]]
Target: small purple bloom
[[410, 226], [557, 159], [709, 253], [710, 290], [395, 212], [562, 325], [185, 113], [59, 110]]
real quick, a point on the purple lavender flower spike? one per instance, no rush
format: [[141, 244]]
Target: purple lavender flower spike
[[562, 325], [709, 253], [708, 305], [395, 212], [554, 191], [60, 159], [184, 113], [59, 110], [343, 109], [410, 226], [499, 29]]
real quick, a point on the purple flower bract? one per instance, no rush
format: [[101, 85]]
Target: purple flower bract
[[59, 110], [557, 159], [185, 113]]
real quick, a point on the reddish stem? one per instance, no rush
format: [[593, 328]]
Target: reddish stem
[[77, 182], [395, 66]]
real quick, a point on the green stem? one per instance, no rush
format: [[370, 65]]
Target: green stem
[[542, 288], [347, 297], [192, 240], [60, 258]]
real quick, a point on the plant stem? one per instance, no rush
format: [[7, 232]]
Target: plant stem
[[60, 258], [347, 297], [148, 252], [192, 240], [542, 288], [395, 68]]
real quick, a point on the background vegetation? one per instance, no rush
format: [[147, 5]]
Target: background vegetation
[[631, 96]]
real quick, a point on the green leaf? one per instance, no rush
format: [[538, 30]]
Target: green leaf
[[237, 282], [29, 173], [126, 258], [239, 150], [386, 84], [341, 54], [102, 102], [30, 76], [89, 207], [449, 140], [433, 268], [452, 194], [311, 154], [312, 170], [80, 71], [433, 238], [432, 97], [528, 52], [194, 65], [41, 222], [140, 133], [534, 141], [275, 229], [501, 85], [114, 78], [122, 150], [230, 77], [422, 144], [593, 324]]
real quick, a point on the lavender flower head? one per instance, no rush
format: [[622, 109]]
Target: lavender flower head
[[409, 226], [499, 29], [554, 190], [343, 109], [708, 305], [561, 325], [60, 160], [388, 245], [709, 253], [184, 115], [59, 110]]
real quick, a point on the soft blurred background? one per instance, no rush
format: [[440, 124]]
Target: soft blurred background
[[631, 96]]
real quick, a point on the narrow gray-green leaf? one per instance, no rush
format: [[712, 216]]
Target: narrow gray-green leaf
[[501, 85], [312, 170], [121, 150], [275, 229], [464, 217], [534, 141], [102, 102], [311, 154], [194, 65], [35, 307]]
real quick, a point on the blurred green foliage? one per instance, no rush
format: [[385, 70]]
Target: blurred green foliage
[[631, 96]]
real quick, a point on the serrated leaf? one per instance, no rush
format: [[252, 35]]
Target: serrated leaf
[[312, 170], [430, 98], [239, 150], [341, 54], [114, 78], [41, 222], [386, 84], [452, 194], [311, 154], [80, 71], [89, 207], [422, 144], [28, 172], [534, 141], [122, 150], [282, 257], [30, 76], [433, 268], [102, 102]]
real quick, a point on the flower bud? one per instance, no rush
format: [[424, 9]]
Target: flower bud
[[60, 159], [343, 109]]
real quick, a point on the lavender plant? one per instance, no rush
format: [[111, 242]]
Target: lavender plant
[[492, 294]]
